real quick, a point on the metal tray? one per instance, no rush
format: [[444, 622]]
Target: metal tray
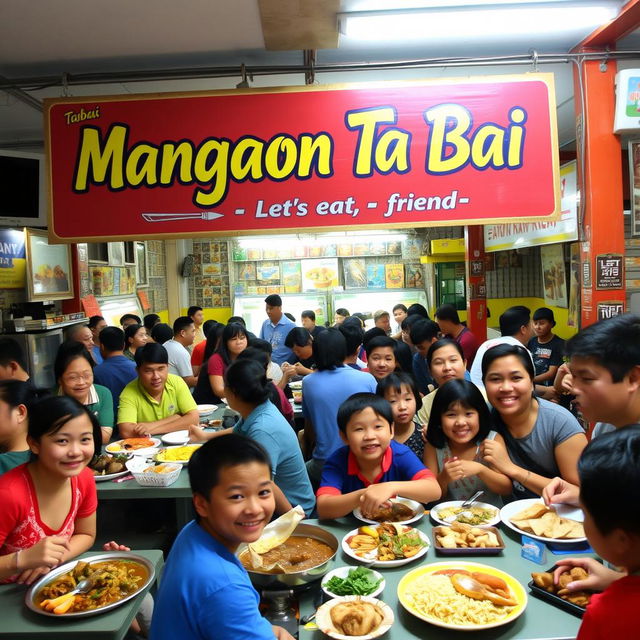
[[103, 557], [467, 551], [555, 600]]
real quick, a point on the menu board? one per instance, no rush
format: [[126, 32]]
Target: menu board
[[394, 276]]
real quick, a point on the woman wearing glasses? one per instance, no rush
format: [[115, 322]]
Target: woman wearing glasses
[[73, 369]]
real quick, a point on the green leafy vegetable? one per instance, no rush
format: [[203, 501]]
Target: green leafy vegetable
[[359, 582]]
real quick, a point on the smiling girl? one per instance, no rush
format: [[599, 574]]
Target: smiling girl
[[233, 342], [459, 424], [49, 504], [541, 439]]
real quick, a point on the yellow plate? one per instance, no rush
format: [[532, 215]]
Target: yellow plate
[[516, 589]]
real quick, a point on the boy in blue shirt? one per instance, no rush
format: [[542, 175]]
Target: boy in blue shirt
[[206, 592], [372, 467]]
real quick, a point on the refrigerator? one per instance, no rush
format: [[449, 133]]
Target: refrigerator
[[40, 350], [368, 302], [252, 308]]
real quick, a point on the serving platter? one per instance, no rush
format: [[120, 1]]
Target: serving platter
[[571, 513], [415, 506], [31, 596], [371, 558], [176, 437], [516, 588], [116, 447], [458, 503], [110, 476]]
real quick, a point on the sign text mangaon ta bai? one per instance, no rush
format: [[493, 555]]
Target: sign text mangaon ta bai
[[394, 154]]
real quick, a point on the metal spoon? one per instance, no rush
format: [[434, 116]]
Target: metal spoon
[[472, 499]]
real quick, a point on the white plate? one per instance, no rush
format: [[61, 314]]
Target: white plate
[[110, 476], [176, 437], [508, 511], [206, 409], [456, 503], [412, 504], [323, 618], [110, 448], [343, 572], [372, 557]]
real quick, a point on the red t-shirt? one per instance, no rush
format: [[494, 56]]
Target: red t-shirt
[[216, 365], [287, 409], [469, 346], [612, 613], [20, 523], [197, 355]]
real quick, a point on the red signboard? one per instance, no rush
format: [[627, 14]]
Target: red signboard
[[249, 161]]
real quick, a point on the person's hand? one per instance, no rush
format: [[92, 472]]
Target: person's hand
[[300, 369], [548, 393], [45, 553], [288, 371], [497, 456], [31, 575], [142, 430], [453, 469], [114, 546], [423, 432], [599, 578], [559, 491], [280, 633], [563, 381], [196, 433], [375, 496]]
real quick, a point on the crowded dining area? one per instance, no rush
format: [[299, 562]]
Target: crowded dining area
[[319, 320]]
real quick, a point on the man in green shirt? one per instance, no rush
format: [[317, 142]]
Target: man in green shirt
[[156, 401]]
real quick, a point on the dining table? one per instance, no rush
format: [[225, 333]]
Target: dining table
[[20, 623], [127, 488], [539, 621]]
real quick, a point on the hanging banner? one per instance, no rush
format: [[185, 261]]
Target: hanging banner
[[13, 264], [416, 154], [502, 237]]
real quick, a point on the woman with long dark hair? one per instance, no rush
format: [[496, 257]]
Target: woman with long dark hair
[[234, 340], [203, 393], [542, 440]]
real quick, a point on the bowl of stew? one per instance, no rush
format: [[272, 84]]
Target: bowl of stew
[[304, 557]]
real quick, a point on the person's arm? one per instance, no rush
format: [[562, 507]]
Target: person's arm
[[549, 374], [105, 412], [191, 381], [301, 370], [46, 553], [217, 385], [282, 504], [424, 489], [308, 438], [172, 423], [563, 382], [198, 434], [337, 505], [106, 434], [431, 462], [566, 454]]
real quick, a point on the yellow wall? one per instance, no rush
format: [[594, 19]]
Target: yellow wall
[[164, 316], [498, 306], [222, 314]]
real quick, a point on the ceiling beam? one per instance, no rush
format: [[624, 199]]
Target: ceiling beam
[[289, 25], [21, 95], [627, 21]]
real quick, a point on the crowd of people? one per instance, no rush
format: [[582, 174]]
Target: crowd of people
[[420, 409]]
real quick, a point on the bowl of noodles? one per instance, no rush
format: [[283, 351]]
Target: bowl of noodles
[[429, 594]]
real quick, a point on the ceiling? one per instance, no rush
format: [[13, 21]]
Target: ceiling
[[48, 38]]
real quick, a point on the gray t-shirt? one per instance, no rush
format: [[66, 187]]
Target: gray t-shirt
[[553, 426], [179, 359]]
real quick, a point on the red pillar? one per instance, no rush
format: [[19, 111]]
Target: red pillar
[[476, 285], [600, 177]]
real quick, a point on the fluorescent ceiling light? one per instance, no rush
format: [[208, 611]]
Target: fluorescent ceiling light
[[485, 21]]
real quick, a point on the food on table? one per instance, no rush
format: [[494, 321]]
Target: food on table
[[463, 536], [160, 468], [356, 618], [546, 523], [544, 580], [469, 515], [131, 444], [397, 512], [359, 582], [391, 542], [436, 595], [177, 453], [297, 553], [112, 581], [104, 464]]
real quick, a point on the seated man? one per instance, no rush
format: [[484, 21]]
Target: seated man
[[184, 332], [116, 370], [300, 341], [372, 468], [157, 401]]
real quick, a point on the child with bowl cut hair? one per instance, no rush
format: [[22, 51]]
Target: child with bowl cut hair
[[372, 467], [609, 471], [206, 592]]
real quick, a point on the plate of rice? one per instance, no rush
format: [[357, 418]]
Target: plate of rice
[[431, 597]]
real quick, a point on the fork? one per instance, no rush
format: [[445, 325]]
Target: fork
[[472, 499]]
